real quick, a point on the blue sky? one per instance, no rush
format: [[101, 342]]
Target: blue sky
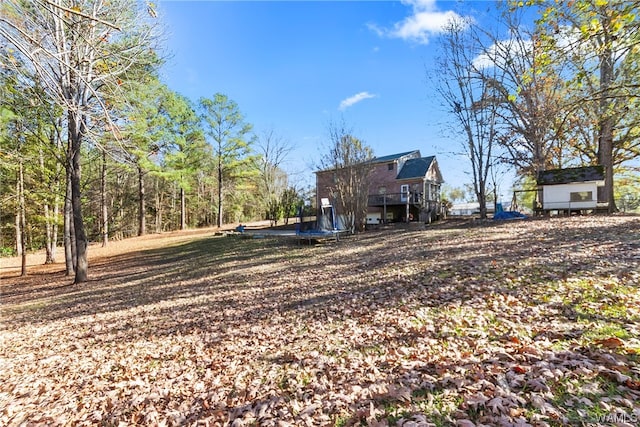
[[295, 66]]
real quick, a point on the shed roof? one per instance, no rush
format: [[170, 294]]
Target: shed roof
[[570, 175], [415, 168]]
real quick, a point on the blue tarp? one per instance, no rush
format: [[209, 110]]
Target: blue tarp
[[505, 215]]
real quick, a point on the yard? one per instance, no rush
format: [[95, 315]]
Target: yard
[[531, 322]]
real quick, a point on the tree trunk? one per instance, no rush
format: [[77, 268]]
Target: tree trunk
[[49, 222], [605, 139], [605, 157], [54, 227], [49, 242], [183, 208], [117, 208], [69, 240], [212, 203], [158, 202], [482, 200], [220, 192], [75, 141], [104, 220], [173, 221], [21, 221], [142, 224], [19, 234], [57, 143]]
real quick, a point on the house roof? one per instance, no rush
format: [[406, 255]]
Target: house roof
[[415, 168], [393, 157], [570, 175]]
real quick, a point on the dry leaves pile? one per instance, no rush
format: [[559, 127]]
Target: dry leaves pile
[[516, 323]]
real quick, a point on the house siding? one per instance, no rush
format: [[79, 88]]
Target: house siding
[[559, 196], [381, 177], [324, 181]]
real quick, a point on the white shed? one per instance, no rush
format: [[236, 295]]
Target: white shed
[[571, 189]]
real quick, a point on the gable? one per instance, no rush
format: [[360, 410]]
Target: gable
[[415, 168], [423, 167]]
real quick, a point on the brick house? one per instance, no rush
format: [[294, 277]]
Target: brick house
[[402, 187]]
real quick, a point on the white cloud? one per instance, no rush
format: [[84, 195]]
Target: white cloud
[[424, 22], [346, 103], [501, 51], [483, 61]]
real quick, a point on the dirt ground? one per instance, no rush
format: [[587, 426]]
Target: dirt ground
[[11, 266]]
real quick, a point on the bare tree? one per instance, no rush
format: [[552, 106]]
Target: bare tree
[[472, 99], [530, 94], [272, 152], [350, 161], [76, 50]]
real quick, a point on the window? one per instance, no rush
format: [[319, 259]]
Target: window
[[581, 196], [390, 166], [404, 190]]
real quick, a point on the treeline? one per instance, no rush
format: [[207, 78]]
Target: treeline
[[93, 146]]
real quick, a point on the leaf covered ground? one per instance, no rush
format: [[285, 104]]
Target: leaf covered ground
[[531, 322]]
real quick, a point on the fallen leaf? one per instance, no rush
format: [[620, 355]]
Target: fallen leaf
[[519, 369], [612, 342]]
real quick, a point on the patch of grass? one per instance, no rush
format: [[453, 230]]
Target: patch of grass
[[341, 420], [595, 297], [373, 350], [283, 382], [305, 378], [345, 420], [561, 345], [27, 307], [444, 274], [613, 311], [581, 398], [437, 405], [393, 412], [603, 331], [420, 393], [7, 252]]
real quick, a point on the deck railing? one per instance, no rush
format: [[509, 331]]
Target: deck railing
[[390, 199]]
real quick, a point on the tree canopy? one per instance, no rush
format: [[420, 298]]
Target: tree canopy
[[81, 94], [561, 90]]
